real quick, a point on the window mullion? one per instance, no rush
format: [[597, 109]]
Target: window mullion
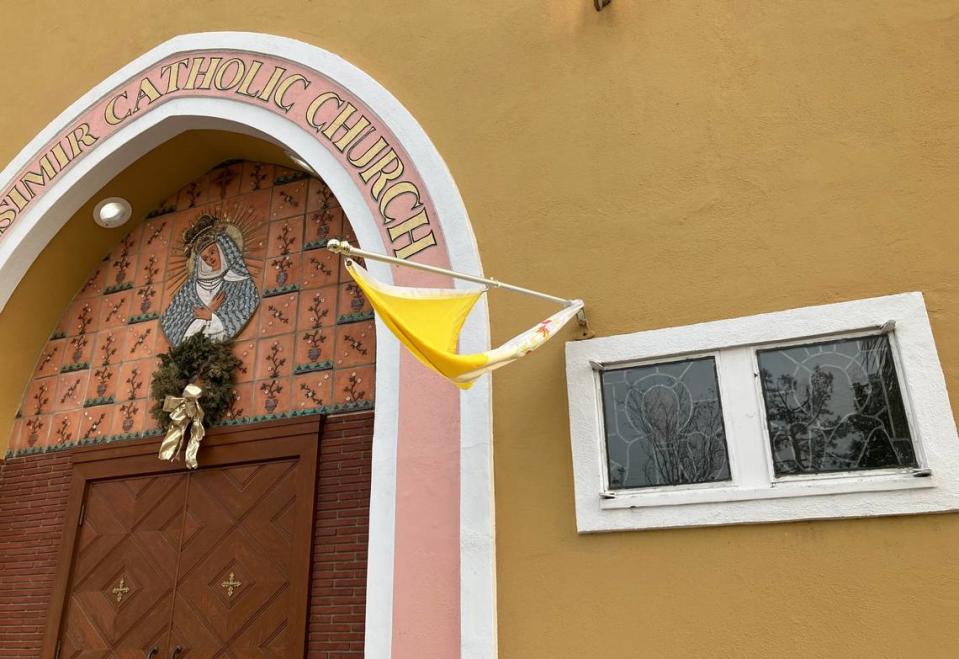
[[744, 417]]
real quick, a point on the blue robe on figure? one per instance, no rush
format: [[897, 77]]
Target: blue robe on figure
[[232, 278]]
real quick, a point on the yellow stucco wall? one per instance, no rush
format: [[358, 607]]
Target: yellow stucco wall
[[670, 162]]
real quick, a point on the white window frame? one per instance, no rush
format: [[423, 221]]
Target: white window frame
[[754, 494]]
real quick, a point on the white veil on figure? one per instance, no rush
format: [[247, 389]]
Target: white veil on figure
[[209, 282]]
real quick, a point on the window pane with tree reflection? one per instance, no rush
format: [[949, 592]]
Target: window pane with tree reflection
[[664, 425], [835, 406]]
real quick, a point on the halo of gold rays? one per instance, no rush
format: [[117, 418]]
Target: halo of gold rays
[[240, 223]]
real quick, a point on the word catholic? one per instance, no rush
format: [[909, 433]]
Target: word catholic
[[307, 98]]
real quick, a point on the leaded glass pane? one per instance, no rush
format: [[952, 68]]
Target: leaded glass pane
[[835, 406], [664, 425]]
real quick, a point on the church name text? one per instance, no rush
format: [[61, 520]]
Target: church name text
[[347, 130]]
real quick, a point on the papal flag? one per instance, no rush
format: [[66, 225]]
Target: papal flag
[[428, 322]]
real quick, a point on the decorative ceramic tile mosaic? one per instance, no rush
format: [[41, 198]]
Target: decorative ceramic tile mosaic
[[307, 346]]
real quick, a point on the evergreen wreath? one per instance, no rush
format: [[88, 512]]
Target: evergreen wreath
[[209, 364]]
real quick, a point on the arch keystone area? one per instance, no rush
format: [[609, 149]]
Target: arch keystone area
[[430, 582]]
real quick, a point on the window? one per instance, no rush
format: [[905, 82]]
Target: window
[[664, 425], [835, 406], [832, 411]]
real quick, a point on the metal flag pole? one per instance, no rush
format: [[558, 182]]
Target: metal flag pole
[[344, 248]]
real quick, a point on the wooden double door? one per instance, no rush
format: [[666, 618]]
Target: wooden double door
[[208, 563]]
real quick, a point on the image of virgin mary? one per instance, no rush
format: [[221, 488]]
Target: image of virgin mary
[[219, 296]]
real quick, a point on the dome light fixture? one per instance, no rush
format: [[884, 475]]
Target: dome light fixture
[[112, 212]]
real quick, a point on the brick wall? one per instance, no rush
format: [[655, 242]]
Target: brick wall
[[338, 592], [33, 500]]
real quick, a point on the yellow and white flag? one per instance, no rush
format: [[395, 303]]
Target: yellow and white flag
[[428, 322]]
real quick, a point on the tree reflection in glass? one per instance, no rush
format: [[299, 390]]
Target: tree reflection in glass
[[835, 406], [664, 425]]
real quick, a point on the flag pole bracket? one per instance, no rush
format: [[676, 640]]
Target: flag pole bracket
[[585, 332]]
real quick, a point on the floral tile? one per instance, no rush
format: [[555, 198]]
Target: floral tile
[[272, 396], [225, 182], [278, 314], [351, 302], [274, 357], [313, 390], [314, 349], [256, 176], [82, 317], [34, 431], [319, 197], [146, 303], [320, 268], [282, 272], [65, 427], [246, 351], [156, 236], [115, 310], [130, 417], [164, 207], [285, 236], [40, 397], [243, 402], [192, 195], [102, 386], [355, 344], [121, 265], [51, 358], [109, 347], [133, 380], [93, 286], [141, 339], [77, 352], [71, 391], [317, 308], [353, 385], [288, 200], [321, 225], [151, 269], [96, 422]]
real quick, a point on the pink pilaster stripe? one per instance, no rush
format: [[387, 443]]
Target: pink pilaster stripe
[[426, 580]]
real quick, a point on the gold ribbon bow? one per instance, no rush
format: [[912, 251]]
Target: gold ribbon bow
[[182, 412]]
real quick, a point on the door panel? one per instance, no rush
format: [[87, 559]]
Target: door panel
[[233, 595], [215, 561], [121, 589]]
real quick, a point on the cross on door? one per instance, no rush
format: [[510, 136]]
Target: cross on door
[[120, 590], [231, 585]]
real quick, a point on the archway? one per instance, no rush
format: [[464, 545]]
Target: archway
[[430, 570]]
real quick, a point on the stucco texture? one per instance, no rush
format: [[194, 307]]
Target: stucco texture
[[669, 163]]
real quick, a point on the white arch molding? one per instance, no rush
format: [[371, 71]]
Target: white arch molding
[[421, 619]]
